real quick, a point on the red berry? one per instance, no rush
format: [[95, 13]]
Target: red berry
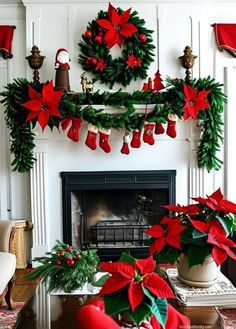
[[70, 262], [88, 34], [98, 39], [142, 37], [61, 253], [78, 256], [94, 60], [57, 262], [69, 249]]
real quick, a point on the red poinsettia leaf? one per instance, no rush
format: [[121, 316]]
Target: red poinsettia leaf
[[173, 208], [127, 30], [201, 226], [43, 118], [228, 206], [33, 94], [203, 94], [48, 93], [186, 115], [123, 268], [193, 112], [124, 17], [114, 283], [65, 123], [174, 241], [190, 93], [217, 196], [166, 220], [57, 96], [109, 11], [115, 17], [155, 324], [145, 265], [219, 255], [104, 23], [191, 209], [31, 116], [73, 134], [135, 294], [201, 104], [110, 35], [119, 40], [157, 245], [33, 105], [157, 286], [53, 110], [156, 231], [200, 200]]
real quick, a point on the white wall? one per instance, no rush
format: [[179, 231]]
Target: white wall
[[55, 24]]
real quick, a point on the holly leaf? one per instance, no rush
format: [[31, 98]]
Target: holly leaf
[[116, 303], [158, 307]]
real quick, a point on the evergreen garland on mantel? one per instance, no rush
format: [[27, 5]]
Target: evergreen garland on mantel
[[81, 105]]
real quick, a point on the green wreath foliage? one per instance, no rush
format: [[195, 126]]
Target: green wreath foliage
[[65, 268], [81, 105], [117, 70]]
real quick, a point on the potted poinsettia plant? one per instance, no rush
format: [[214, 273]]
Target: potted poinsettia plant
[[136, 295], [200, 233]]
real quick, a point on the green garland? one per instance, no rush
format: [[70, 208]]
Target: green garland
[[117, 70], [65, 268], [171, 100]]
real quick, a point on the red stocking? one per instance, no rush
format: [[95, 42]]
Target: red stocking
[[148, 133], [103, 141], [159, 129], [171, 124], [136, 140], [125, 147], [91, 137]]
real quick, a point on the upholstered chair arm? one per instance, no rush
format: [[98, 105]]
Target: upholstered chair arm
[[6, 234]]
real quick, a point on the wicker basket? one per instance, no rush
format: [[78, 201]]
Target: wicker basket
[[17, 245]]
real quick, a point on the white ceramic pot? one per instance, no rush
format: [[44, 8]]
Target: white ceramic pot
[[198, 275]]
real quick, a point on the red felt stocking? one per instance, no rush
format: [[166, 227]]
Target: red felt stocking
[[148, 132], [136, 139], [171, 124], [125, 147], [103, 141], [159, 129], [91, 137]]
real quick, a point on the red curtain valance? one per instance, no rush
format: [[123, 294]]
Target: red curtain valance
[[6, 36], [225, 35]]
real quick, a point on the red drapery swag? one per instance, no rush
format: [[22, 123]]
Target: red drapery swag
[[225, 35], [6, 36]]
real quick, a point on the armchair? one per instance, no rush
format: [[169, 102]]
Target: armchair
[[7, 262]]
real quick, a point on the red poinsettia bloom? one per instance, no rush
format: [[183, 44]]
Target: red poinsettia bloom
[[42, 107], [217, 202], [217, 237], [194, 101], [170, 234], [73, 132], [134, 61], [191, 209], [134, 277], [117, 26], [101, 64]]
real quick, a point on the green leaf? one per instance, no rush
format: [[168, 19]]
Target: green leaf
[[116, 303], [197, 254], [158, 306], [197, 234], [127, 258], [226, 223], [101, 281], [141, 313]]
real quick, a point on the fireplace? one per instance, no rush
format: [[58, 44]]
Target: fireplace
[[110, 211]]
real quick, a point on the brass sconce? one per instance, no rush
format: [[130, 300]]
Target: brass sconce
[[187, 61], [35, 62]]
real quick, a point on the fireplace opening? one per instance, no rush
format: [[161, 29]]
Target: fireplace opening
[[111, 211]]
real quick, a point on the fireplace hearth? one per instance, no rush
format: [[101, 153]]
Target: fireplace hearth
[[110, 211]]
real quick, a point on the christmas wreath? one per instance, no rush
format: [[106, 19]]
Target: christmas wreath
[[126, 30], [28, 103]]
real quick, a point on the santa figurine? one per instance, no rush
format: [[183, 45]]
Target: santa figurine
[[62, 66]]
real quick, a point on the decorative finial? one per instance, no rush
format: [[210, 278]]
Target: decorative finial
[[187, 61], [35, 61]]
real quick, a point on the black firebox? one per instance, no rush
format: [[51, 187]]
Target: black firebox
[[111, 211]]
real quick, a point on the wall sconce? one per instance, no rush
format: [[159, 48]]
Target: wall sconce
[[35, 62]]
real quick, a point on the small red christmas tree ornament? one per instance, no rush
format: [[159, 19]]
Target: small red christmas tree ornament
[[171, 125], [159, 129], [125, 147], [91, 137], [103, 140], [148, 133], [142, 37], [136, 139], [157, 82], [88, 34], [98, 39]]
